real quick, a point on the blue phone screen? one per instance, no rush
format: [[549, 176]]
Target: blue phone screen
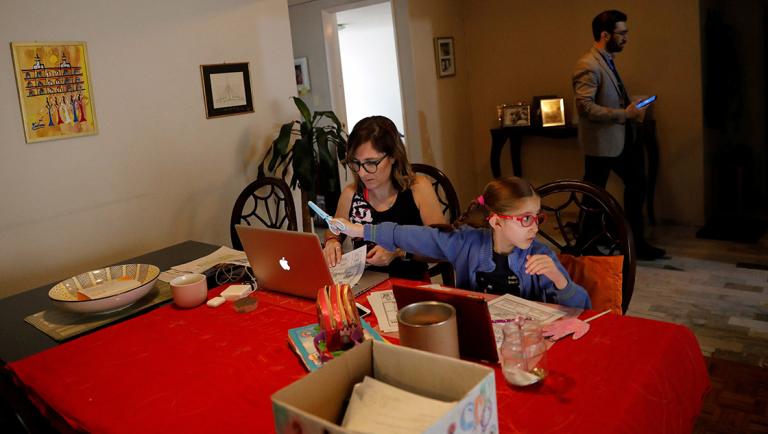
[[646, 101]]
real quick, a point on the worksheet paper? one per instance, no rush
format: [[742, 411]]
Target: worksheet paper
[[385, 308], [508, 307], [351, 267], [378, 407]]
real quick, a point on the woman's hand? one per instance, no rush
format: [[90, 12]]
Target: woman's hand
[[381, 257], [332, 251], [543, 264]]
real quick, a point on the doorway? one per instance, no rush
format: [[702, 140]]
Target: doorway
[[362, 60], [734, 75]]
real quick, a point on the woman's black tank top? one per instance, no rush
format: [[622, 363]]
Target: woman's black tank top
[[403, 212]]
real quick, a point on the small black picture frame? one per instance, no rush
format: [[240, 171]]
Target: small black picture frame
[[226, 89]]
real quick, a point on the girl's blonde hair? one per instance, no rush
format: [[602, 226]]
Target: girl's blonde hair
[[384, 137], [499, 196]]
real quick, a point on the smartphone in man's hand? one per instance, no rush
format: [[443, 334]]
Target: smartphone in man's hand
[[645, 102]]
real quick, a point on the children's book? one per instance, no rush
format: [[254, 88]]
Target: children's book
[[302, 340]]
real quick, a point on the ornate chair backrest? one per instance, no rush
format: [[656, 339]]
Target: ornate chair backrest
[[449, 202], [563, 202], [265, 202], [446, 194]]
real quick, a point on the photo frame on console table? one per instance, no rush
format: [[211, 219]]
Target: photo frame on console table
[[226, 89], [552, 112], [536, 109], [516, 115]]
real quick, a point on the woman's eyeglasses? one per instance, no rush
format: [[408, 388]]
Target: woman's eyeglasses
[[370, 166], [526, 220]]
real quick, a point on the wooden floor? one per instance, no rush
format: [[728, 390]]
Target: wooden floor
[[738, 400], [718, 289]]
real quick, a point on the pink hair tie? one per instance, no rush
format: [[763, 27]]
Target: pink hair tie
[[480, 200]]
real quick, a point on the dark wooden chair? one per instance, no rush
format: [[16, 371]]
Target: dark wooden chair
[[563, 202], [266, 202], [451, 208]]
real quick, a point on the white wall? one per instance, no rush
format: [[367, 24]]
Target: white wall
[[369, 64], [158, 172], [437, 114]]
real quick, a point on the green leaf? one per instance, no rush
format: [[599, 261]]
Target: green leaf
[[332, 116], [303, 109], [310, 156], [280, 146]]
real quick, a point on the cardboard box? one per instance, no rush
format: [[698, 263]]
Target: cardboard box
[[316, 403]]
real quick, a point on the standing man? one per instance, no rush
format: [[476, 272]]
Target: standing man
[[606, 123]]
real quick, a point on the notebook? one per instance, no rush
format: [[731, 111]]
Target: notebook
[[476, 338], [292, 262]]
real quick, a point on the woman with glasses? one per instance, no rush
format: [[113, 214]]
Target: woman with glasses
[[492, 246], [385, 189]]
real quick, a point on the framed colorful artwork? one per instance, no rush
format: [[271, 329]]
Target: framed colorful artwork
[[55, 91], [227, 89]]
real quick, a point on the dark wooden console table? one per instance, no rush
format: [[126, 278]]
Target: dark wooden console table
[[500, 136], [646, 136]]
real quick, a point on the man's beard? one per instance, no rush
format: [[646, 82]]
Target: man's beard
[[613, 46]]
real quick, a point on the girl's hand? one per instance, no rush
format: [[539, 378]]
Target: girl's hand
[[354, 230], [332, 251], [543, 264], [380, 256]]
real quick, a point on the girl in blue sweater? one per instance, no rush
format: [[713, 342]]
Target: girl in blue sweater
[[492, 247]]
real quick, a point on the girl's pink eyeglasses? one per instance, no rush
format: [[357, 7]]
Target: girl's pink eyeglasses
[[526, 220]]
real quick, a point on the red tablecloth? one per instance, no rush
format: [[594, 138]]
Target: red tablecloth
[[209, 370]]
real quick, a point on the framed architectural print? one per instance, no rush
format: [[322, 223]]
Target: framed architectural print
[[227, 89], [55, 91], [552, 112], [446, 61]]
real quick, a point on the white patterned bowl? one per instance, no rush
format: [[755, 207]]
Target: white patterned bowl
[[106, 289]]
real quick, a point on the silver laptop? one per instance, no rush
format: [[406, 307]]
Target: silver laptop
[[292, 262]]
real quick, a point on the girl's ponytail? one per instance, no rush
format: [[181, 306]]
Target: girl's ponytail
[[476, 214]]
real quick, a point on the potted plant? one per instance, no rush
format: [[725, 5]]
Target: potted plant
[[320, 143]]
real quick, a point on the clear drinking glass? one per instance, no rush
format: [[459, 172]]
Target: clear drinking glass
[[523, 353]]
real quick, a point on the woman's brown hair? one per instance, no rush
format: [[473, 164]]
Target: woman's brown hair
[[384, 137]]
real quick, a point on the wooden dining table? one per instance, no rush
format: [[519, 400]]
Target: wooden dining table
[[205, 369]]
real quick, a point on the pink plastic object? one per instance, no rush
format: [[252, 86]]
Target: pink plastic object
[[562, 328]]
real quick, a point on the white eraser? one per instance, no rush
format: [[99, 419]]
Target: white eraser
[[236, 292], [216, 301]]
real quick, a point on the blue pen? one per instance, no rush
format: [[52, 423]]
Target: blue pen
[[335, 226]]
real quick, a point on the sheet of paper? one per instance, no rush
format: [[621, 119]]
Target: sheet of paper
[[508, 307], [350, 268], [378, 407], [224, 255], [385, 308]]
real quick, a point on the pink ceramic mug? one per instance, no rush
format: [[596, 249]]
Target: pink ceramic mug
[[189, 290]]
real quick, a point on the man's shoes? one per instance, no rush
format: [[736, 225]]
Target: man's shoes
[[647, 252]]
